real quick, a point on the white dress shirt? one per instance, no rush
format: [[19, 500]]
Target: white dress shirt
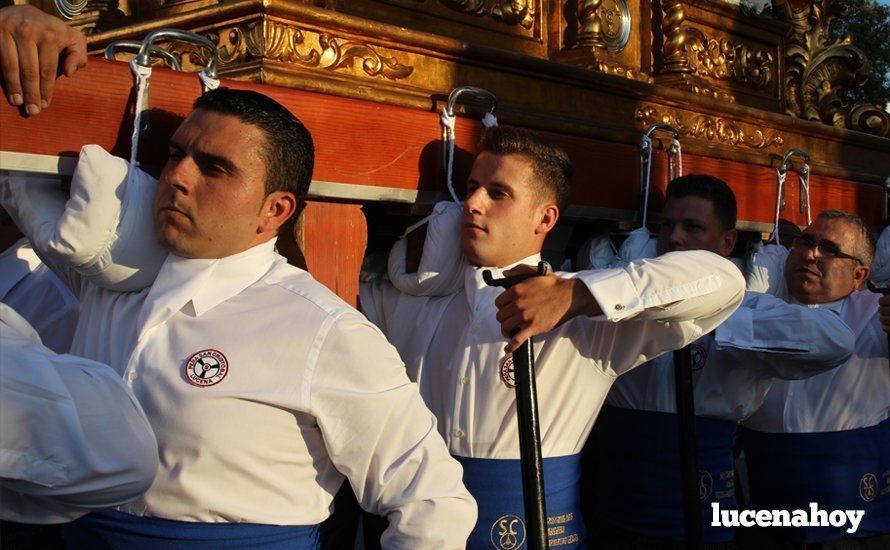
[[854, 395], [35, 293], [73, 438], [733, 368], [310, 391], [453, 346]]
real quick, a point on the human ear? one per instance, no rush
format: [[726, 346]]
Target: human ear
[[860, 275], [548, 216], [278, 207]]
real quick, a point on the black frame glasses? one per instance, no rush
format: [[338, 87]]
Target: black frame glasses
[[824, 249]]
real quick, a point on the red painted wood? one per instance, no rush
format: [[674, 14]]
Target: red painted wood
[[333, 237], [361, 142]]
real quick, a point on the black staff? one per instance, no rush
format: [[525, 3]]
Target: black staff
[[688, 452], [529, 427]]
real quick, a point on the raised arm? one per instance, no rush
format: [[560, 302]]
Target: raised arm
[[787, 340], [690, 293], [34, 45], [381, 436]]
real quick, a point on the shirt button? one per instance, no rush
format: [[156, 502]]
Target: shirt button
[[459, 433], [619, 307], [464, 380]]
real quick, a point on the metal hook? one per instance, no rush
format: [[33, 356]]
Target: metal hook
[[473, 90], [190, 37], [135, 46], [792, 153], [665, 127]]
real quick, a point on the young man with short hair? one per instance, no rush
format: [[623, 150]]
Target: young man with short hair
[[264, 389], [454, 345]]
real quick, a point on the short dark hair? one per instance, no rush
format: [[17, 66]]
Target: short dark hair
[[289, 152], [865, 248], [709, 188], [551, 165]]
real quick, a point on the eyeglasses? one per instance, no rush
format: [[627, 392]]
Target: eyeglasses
[[824, 249]]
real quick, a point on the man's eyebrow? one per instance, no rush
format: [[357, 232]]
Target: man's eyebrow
[[204, 157]]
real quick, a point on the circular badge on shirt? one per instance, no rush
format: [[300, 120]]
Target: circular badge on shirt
[[206, 368], [508, 376], [868, 487], [508, 533], [699, 356]]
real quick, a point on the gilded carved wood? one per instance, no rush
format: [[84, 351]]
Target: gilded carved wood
[[818, 69], [270, 40], [710, 128]]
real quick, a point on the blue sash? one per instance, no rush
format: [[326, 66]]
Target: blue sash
[[497, 487], [844, 470], [113, 529], [638, 486]]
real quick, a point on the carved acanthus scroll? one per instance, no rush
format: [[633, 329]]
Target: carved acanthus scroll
[[818, 70], [270, 40], [711, 128], [510, 12], [728, 61]]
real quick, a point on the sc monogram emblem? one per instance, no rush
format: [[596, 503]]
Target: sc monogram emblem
[[508, 533], [705, 484], [868, 487]]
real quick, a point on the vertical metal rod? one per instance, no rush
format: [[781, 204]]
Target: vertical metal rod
[[688, 451], [532, 464]]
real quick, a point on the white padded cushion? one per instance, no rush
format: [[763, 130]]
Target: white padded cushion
[[442, 266], [104, 231], [596, 253], [766, 269], [638, 245]]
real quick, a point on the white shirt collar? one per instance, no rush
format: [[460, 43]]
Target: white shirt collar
[[204, 282], [476, 287]]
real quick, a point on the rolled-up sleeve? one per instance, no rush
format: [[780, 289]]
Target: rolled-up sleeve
[[381, 436]]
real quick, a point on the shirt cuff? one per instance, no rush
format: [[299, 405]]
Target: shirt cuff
[[614, 291], [737, 331]]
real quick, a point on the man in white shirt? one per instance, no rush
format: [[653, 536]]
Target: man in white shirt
[[826, 439], [73, 438], [33, 291], [455, 347], [264, 389], [636, 484]]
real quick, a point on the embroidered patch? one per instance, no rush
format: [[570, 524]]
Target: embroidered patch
[[508, 533], [508, 376], [868, 487], [206, 368], [705, 485], [699, 356]]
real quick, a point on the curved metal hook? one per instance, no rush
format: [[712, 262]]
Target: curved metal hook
[[135, 46], [472, 90], [665, 127], [792, 153], [190, 37]]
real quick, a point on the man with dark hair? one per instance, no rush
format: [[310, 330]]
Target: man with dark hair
[[827, 439], [264, 389], [455, 342], [638, 493]]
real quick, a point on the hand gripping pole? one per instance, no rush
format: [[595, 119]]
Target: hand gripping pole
[[529, 428]]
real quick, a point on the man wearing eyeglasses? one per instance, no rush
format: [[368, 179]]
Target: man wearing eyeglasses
[[826, 439]]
